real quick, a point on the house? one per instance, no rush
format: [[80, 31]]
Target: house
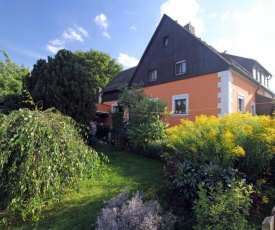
[[194, 78]]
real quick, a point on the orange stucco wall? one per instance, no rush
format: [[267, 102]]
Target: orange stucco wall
[[202, 92], [245, 88]]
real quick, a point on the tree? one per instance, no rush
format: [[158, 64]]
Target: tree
[[146, 115], [11, 76], [99, 66], [68, 82], [41, 152]]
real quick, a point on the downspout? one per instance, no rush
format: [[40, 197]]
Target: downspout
[[256, 93]]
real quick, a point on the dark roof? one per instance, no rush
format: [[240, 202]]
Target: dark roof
[[246, 63], [185, 28], [120, 79]]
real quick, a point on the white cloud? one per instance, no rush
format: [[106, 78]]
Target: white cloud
[[56, 42], [133, 28], [127, 61], [68, 35], [83, 31], [54, 49], [213, 15], [106, 34], [184, 11], [102, 21], [71, 34], [224, 16], [249, 33]]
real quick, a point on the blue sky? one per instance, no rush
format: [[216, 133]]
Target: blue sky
[[34, 29]]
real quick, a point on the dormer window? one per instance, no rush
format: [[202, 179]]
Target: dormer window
[[180, 67], [165, 41], [152, 75]]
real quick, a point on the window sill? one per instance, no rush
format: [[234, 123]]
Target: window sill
[[180, 114], [179, 74]]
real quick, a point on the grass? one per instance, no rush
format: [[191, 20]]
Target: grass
[[78, 210]]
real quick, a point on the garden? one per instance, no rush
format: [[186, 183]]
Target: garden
[[210, 173]]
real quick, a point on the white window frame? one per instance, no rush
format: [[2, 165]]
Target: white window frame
[[253, 108], [152, 75], [241, 97], [165, 41], [114, 107], [181, 70], [153, 99], [180, 97]]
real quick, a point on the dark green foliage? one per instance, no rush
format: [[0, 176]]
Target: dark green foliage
[[102, 132], [117, 122], [40, 154], [146, 116], [217, 209], [11, 102], [183, 177], [155, 149], [68, 82]]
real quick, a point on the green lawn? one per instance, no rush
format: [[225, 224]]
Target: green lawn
[[78, 210]]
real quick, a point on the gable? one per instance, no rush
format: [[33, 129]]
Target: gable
[[111, 91], [182, 46]]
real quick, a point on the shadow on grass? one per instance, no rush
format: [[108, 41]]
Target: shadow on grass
[[78, 210]]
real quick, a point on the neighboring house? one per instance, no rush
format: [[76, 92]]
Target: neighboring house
[[194, 78]]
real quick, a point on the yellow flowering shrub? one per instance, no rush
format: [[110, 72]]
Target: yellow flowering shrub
[[241, 140]]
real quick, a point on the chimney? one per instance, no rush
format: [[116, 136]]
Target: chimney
[[190, 28]]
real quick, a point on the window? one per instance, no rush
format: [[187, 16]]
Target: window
[[153, 99], [254, 73], [258, 75], [180, 67], [117, 108], [180, 104], [253, 108], [241, 103], [165, 41], [152, 75], [265, 81]]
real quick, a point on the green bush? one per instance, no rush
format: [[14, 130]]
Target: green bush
[[10, 102], [146, 116], [221, 210], [40, 154], [154, 149], [184, 176]]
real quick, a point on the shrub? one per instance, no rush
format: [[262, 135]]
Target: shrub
[[40, 153], [183, 178], [11, 102], [154, 149], [124, 213], [238, 140], [102, 132], [220, 210], [146, 116]]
